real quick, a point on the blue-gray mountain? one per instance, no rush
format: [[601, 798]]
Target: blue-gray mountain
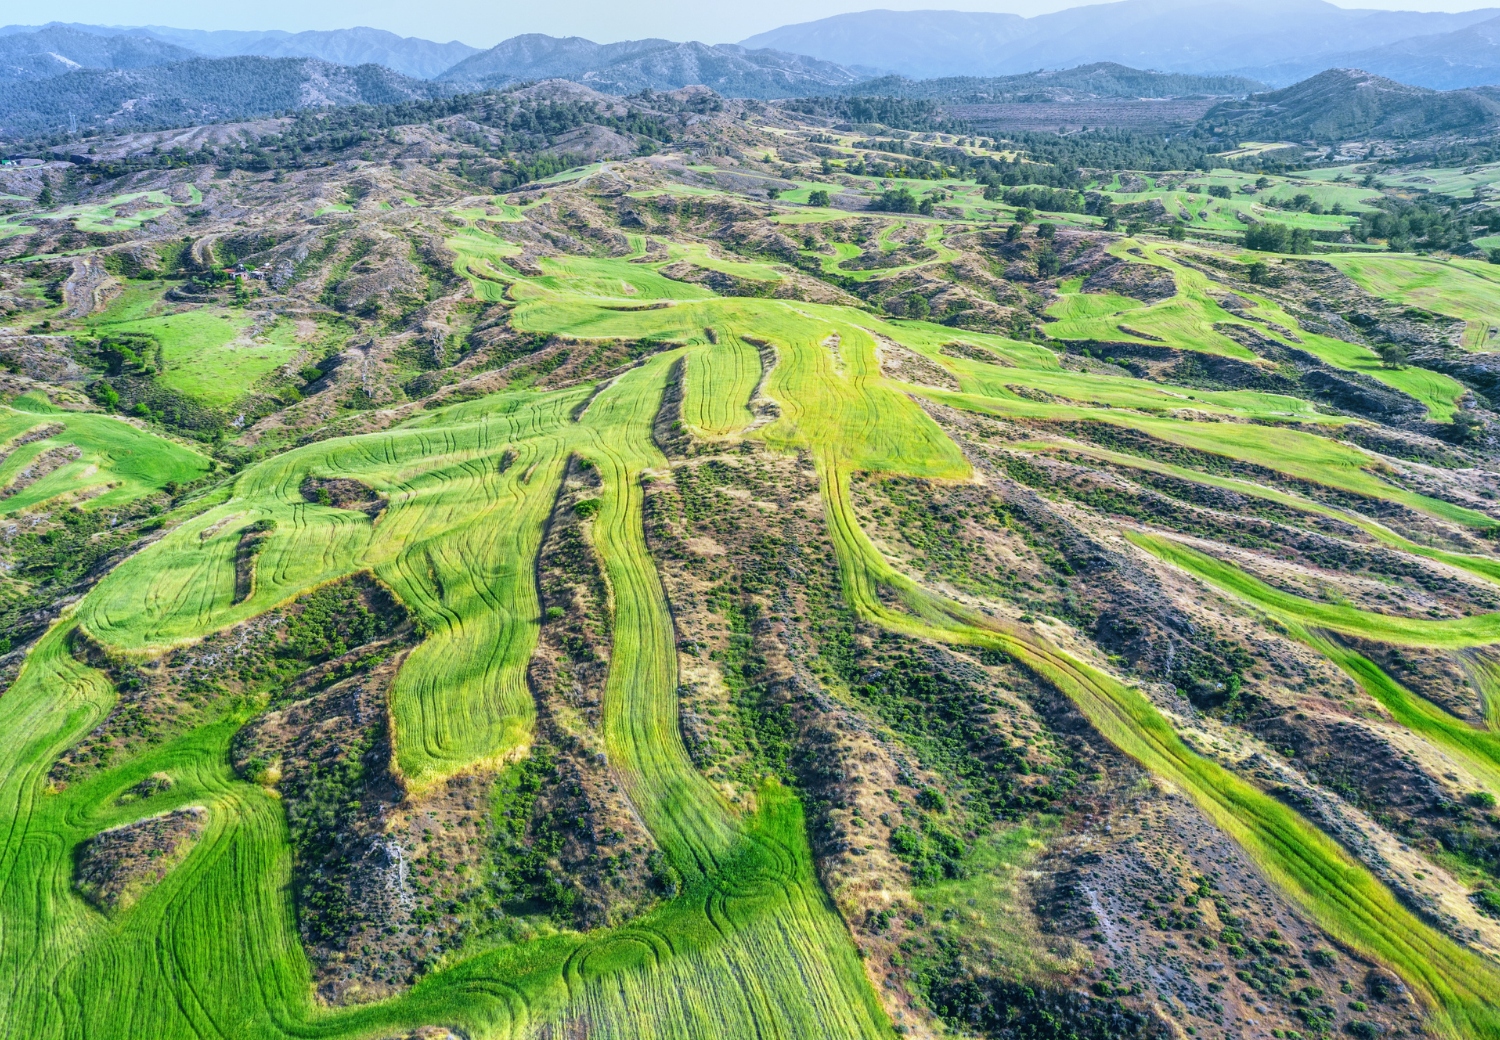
[[1348, 104], [1467, 57], [1273, 41], [188, 93], [408, 55], [420, 59], [1102, 79], [57, 50], [1249, 37], [623, 68]]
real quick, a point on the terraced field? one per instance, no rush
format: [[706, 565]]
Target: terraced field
[[462, 699], [125, 212], [1465, 289], [638, 609]]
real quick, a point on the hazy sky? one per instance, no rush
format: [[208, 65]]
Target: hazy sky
[[484, 23]]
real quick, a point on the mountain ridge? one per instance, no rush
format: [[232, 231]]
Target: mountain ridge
[[202, 90], [360, 45], [632, 65], [1467, 57], [1344, 104], [1096, 80], [1167, 35], [57, 50]]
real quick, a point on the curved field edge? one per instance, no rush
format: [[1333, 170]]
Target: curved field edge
[[751, 890], [213, 949], [836, 405], [1317, 625], [754, 928], [1340, 894]]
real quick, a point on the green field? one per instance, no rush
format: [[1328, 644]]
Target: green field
[[1313, 622], [125, 212], [1186, 321], [456, 545], [1219, 216], [1464, 289], [743, 937], [115, 461], [215, 355]]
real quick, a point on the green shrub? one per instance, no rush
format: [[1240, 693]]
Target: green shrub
[[1052, 200], [895, 200], [1489, 901], [1277, 238], [932, 799]]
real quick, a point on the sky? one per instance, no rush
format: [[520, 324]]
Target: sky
[[483, 23]]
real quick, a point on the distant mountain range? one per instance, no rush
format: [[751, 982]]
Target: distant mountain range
[[420, 59], [1102, 79], [623, 68], [58, 50], [1467, 57], [1277, 41], [153, 76], [192, 92], [408, 55]]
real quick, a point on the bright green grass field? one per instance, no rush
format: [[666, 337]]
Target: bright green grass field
[[700, 256], [1464, 289], [118, 461], [1186, 321], [209, 356], [1312, 622], [752, 947]]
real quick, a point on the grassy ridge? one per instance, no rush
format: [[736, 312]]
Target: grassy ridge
[[1484, 566], [117, 462], [1464, 290], [838, 421], [751, 946], [1290, 451], [717, 386], [1188, 320], [1475, 630], [1310, 622], [683, 810], [1308, 865]]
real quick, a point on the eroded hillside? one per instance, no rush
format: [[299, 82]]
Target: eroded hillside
[[755, 583]]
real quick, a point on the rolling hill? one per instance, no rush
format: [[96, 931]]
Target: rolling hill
[[550, 564], [197, 91], [1343, 104], [784, 581], [1086, 82]]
